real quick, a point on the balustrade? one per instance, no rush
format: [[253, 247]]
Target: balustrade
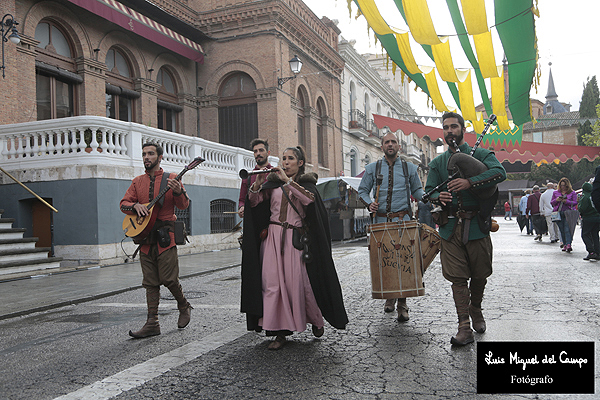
[[99, 140]]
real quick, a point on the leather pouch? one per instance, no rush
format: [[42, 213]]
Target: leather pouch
[[164, 238], [180, 233], [298, 239]]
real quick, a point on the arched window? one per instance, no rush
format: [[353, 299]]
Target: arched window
[[321, 134], [120, 92], [353, 162], [302, 126], [166, 104], [352, 96], [238, 112], [219, 221], [367, 106], [56, 74]]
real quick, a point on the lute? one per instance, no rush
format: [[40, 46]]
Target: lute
[[139, 227]]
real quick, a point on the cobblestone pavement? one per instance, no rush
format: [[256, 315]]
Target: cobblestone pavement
[[537, 293]]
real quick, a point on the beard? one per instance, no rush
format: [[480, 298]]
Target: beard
[[261, 161], [458, 139], [151, 165]]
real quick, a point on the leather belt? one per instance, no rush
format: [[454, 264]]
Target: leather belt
[[466, 214], [399, 214], [287, 225]]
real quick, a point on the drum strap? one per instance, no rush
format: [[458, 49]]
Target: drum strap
[[390, 179]]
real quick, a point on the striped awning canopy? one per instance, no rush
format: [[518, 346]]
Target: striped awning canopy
[[512, 152], [144, 26], [473, 36]]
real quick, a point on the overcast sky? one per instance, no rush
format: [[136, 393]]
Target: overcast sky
[[565, 31]]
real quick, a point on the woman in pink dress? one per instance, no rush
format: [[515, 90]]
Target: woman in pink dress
[[285, 263]]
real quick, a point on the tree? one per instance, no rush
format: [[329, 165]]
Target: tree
[[593, 137], [587, 109], [574, 171]]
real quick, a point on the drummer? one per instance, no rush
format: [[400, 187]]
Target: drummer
[[464, 226], [394, 200]]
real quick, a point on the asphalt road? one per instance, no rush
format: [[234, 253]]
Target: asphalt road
[[82, 351]]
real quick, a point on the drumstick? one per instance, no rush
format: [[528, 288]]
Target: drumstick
[[379, 181], [230, 212]]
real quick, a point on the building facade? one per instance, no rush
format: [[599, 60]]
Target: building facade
[[91, 80], [370, 88]]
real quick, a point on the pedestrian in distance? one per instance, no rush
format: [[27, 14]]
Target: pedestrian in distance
[[564, 200], [590, 223], [260, 149], [288, 275], [523, 211], [158, 251], [533, 210], [546, 210], [400, 180], [507, 211], [465, 223]]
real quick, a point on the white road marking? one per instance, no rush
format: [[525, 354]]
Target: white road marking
[[167, 306], [141, 373]]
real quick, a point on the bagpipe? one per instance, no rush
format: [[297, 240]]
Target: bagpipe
[[463, 165]]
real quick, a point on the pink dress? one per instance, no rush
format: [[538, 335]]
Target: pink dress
[[288, 299]]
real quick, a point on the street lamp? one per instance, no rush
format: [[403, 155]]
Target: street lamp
[[295, 66], [8, 22]]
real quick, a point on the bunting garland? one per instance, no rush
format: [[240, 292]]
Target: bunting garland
[[514, 24]]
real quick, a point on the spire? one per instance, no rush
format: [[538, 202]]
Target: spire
[[551, 95]]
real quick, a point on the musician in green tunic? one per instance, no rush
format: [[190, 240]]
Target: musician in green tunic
[[465, 221]]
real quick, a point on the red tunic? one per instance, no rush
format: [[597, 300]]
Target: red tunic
[[142, 190]]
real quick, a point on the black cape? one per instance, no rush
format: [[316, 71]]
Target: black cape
[[321, 270]]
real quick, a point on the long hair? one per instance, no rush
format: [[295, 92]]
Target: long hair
[[567, 182], [300, 155]]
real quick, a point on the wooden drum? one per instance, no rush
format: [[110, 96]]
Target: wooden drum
[[400, 252]]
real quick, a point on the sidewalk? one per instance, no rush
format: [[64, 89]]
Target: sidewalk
[[24, 296]]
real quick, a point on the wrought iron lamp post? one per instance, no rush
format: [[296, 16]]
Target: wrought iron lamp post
[[295, 66], [7, 25]]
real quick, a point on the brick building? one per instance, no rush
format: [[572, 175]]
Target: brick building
[[199, 77]]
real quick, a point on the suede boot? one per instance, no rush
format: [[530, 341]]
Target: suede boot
[[183, 305], [476, 289], [152, 327], [390, 305], [402, 310], [461, 301]]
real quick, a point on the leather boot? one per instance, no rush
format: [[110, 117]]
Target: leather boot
[[183, 305], [402, 310], [390, 305], [151, 327], [461, 301], [476, 289]]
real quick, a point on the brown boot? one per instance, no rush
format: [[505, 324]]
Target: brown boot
[[184, 316], [151, 327], [476, 289], [183, 305], [390, 305], [477, 318], [402, 310], [461, 301]]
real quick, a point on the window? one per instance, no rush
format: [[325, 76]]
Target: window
[[353, 162], [219, 221], [54, 97], [167, 107], [303, 134], [119, 87], [238, 112], [538, 137], [56, 75], [321, 136]]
